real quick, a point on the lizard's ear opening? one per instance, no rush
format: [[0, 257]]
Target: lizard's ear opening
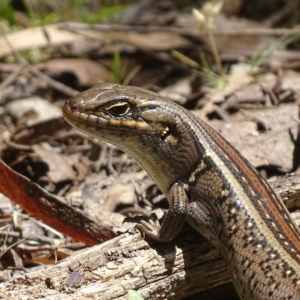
[[165, 133], [169, 135]]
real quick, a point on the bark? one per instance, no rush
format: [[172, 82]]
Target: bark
[[174, 270]]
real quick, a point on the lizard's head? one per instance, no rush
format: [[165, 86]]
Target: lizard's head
[[152, 129], [111, 112]]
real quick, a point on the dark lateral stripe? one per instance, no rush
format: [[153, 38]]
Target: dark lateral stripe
[[274, 206]]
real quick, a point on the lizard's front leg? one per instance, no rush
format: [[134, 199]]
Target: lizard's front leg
[[174, 219]]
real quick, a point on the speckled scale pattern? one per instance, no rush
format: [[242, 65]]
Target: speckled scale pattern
[[227, 200]]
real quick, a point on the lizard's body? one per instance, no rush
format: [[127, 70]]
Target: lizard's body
[[207, 182]]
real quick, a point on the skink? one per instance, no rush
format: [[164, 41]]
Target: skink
[[207, 182]]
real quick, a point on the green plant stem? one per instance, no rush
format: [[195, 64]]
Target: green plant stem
[[214, 49]]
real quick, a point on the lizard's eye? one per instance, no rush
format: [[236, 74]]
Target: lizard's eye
[[118, 109]]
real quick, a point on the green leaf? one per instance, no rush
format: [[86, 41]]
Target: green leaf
[[116, 68], [7, 12], [133, 295], [104, 14]]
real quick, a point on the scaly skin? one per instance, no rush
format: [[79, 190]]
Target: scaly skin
[[207, 182]]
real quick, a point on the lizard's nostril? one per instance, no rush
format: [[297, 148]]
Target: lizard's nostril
[[72, 105]]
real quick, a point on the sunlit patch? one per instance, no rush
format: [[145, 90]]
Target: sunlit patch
[[233, 227], [266, 184], [288, 272], [236, 168], [244, 179], [225, 193], [165, 132], [233, 210], [272, 287], [274, 225]]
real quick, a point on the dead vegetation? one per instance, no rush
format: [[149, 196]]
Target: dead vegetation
[[238, 73]]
